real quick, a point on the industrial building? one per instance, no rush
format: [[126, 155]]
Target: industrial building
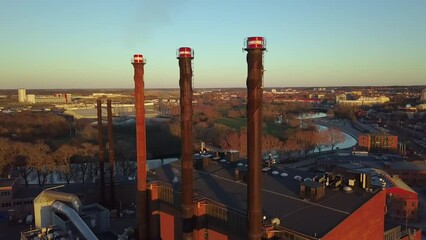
[[57, 98], [118, 110], [295, 203]]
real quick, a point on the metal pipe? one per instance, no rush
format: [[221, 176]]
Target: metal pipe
[[254, 136], [101, 150], [185, 82], [111, 155], [74, 219], [141, 198], [64, 197]]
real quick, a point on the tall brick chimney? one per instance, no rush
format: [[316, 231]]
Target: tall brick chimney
[[185, 56], [254, 47], [141, 197]]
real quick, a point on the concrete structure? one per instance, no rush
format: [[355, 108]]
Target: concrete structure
[[380, 142], [22, 95]]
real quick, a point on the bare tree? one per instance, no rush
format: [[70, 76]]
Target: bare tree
[[62, 157], [235, 141], [335, 137], [90, 133], [87, 152], [5, 156], [125, 150], [321, 139], [19, 159], [292, 145], [270, 143], [306, 139], [175, 128], [40, 158]]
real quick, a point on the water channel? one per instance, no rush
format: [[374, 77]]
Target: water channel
[[347, 143]]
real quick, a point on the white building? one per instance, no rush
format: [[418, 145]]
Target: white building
[[423, 96], [22, 95], [365, 101], [31, 98]]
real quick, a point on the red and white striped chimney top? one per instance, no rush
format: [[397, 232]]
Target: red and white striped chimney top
[[185, 52], [256, 43], [137, 58]]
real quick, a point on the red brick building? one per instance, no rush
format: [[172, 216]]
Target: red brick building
[[402, 204], [378, 142], [412, 173], [305, 205]]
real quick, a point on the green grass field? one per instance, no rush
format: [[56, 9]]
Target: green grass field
[[269, 128]]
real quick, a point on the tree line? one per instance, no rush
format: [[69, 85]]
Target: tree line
[[70, 161], [209, 113], [28, 126]]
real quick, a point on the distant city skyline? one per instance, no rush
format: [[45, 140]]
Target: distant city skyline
[[89, 44]]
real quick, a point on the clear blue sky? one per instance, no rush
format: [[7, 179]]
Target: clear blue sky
[[89, 43]]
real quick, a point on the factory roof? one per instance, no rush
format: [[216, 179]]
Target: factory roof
[[409, 166], [7, 182], [280, 196]]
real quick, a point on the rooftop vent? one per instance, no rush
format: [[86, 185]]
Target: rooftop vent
[[275, 172], [275, 222], [298, 178], [284, 174]]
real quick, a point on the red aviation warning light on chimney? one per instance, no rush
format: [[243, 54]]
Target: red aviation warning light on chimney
[[255, 43], [138, 58], [185, 52]]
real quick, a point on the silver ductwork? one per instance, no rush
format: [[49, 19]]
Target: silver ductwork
[[64, 197], [75, 219]]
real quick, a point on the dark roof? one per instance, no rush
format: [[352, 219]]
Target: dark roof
[[7, 182], [311, 184], [32, 191], [280, 196], [409, 166]]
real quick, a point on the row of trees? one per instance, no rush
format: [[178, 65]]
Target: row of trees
[[23, 158], [302, 141], [209, 127], [27, 126]]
